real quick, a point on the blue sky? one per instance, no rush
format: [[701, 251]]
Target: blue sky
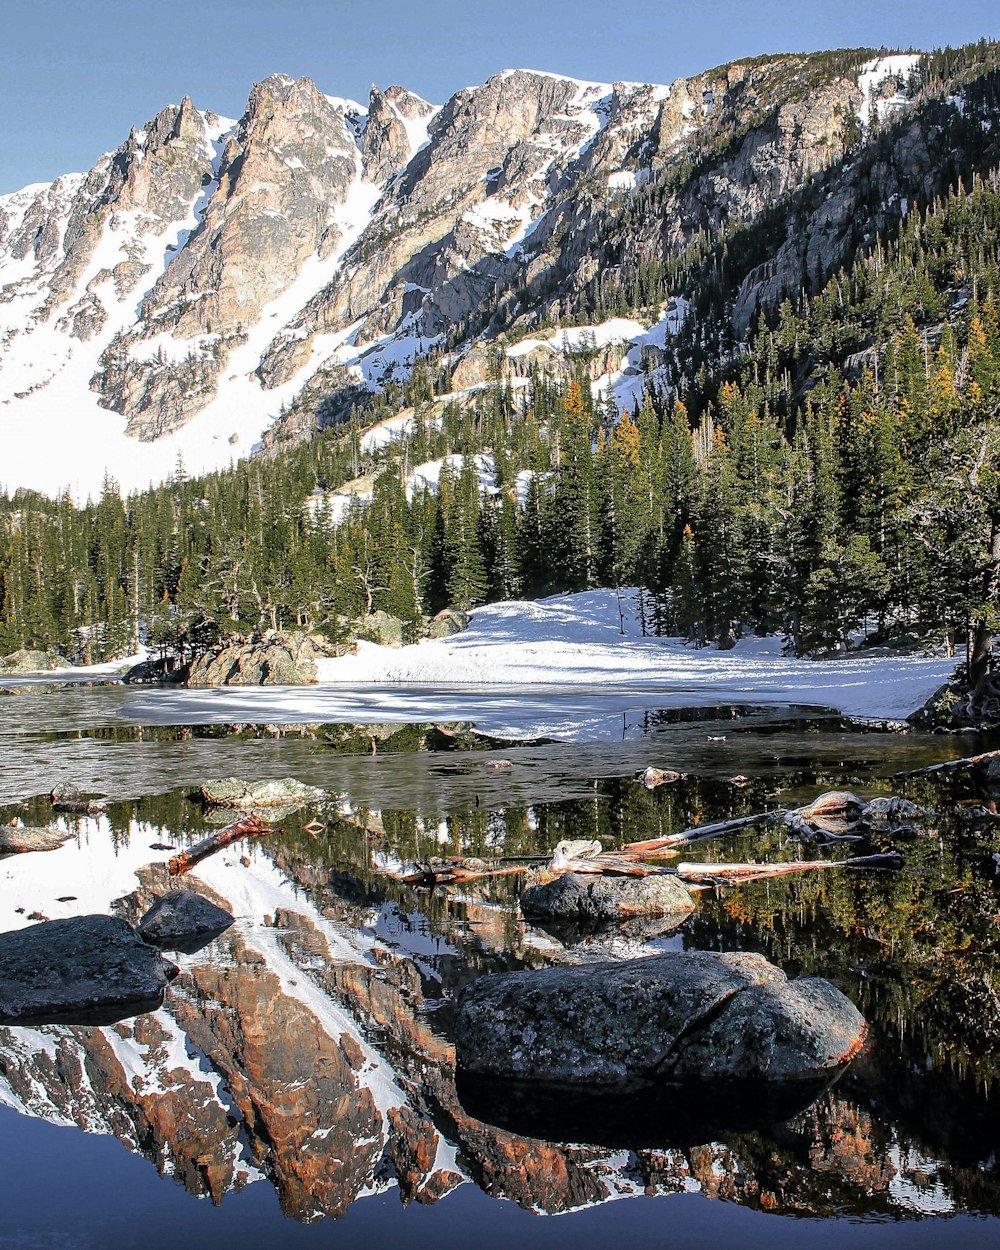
[[75, 75]]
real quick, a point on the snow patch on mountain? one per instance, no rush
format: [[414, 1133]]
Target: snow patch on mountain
[[873, 75], [54, 378]]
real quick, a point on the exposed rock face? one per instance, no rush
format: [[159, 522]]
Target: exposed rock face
[[592, 899], [396, 118], [75, 253], [400, 223], [285, 172], [272, 660], [674, 1017], [75, 969]]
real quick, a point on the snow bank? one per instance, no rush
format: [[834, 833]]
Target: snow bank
[[874, 73], [576, 640]]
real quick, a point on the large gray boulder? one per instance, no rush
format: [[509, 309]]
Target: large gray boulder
[[447, 622], [676, 1017], [274, 660], [581, 899], [183, 920], [246, 795], [28, 661], [88, 969]]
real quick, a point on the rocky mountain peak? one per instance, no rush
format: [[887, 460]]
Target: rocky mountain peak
[[386, 143], [307, 253], [286, 170]]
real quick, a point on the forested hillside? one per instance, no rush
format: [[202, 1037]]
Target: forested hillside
[[831, 471]]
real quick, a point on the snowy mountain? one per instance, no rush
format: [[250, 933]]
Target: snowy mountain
[[213, 283]]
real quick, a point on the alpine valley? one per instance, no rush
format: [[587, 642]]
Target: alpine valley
[[341, 400]]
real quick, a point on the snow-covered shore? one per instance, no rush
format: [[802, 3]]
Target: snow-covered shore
[[576, 640]]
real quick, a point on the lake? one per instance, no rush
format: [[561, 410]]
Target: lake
[[301, 1069]]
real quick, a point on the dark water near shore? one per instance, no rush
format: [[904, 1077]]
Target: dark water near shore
[[300, 1070]]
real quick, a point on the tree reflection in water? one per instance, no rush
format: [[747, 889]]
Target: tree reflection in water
[[310, 1044]]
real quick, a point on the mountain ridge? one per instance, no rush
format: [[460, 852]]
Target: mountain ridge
[[312, 250]]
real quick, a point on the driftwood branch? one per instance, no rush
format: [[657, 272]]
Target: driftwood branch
[[738, 873], [697, 833], [949, 766], [832, 816], [246, 827]]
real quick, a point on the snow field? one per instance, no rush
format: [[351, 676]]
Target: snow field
[[576, 640]]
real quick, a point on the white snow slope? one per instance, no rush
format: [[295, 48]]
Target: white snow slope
[[576, 639]]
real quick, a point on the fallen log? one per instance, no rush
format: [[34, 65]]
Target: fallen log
[[739, 873], [610, 864], [968, 761], [695, 834], [832, 815], [247, 827], [431, 875]]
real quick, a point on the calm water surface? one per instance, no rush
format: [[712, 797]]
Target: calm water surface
[[299, 1078]]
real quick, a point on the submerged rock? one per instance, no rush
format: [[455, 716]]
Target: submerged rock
[[17, 839], [69, 798], [653, 777], [88, 969], [232, 792], [582, 899], [675, 1017], [183, 920]]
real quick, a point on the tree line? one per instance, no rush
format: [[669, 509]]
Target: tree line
[[838, 476]]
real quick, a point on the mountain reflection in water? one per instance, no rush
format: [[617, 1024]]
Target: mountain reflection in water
[[307, 1049]]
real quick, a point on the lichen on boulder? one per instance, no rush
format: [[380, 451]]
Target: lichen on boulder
[[583, 899], [236, 793], [675, 1017]]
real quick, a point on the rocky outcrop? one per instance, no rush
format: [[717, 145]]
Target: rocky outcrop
[[593, 899], [272, 659], [395, 118], [28, 661], [285, 174], [675, 1017], [494, 213], [86, 968], [94, 239], [232, 792], [448, 621]]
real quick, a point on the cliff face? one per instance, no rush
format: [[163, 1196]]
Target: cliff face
[[285, 176], [210, 275]]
